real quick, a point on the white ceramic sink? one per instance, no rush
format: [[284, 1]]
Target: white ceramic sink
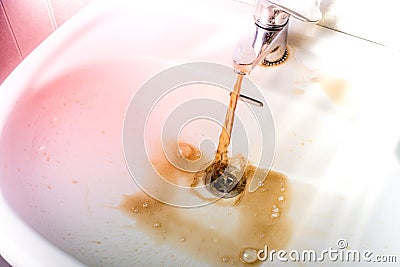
[[63, 175]]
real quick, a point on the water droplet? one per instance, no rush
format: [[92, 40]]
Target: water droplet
[[135, 209], [275, 215], [182, 239], [248, 255], [224, 259], [281, 198], [275, 209], [260, 183], [283, 188], [157, 224], [145, 205]]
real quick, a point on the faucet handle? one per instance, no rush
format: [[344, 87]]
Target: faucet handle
[[303, 10], [275, 13]]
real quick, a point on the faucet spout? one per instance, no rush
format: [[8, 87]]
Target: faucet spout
[[265, 45]]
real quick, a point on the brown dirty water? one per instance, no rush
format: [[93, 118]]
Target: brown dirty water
[[221, 160], [221, 156], [218, 233]]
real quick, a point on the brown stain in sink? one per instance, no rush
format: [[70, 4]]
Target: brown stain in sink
[[217, 233], [298, 91], [335, 88]]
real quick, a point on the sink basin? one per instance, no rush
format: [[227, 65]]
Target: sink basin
[[63, 174]]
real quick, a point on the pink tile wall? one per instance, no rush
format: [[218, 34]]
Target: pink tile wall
[[24, 24], [30, 22], [9, 55], [63, 9]]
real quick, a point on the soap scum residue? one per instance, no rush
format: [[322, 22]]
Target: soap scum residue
[[222, 233]]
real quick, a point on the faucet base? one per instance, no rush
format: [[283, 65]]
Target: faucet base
[[268, 63]]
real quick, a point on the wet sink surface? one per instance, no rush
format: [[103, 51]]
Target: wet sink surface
[[62, 167]]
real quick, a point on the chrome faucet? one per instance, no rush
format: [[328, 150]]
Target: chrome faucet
[[268, 43]]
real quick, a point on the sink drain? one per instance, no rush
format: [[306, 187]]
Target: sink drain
[[227, 185]]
